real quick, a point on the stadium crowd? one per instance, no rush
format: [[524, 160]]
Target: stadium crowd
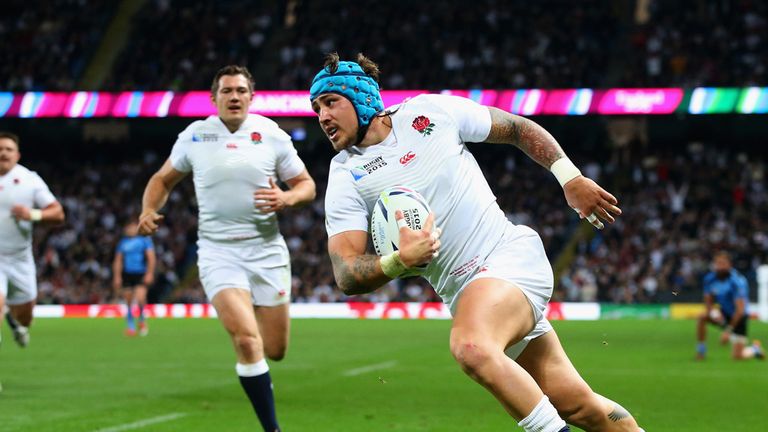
[[48, 48], [700, 43], [543, 44]]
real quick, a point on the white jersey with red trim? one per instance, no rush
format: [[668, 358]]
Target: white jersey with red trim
[[227, 169], [426, 151], [20, 186]]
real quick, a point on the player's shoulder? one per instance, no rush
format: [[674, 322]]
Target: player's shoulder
[[339, 161], [432, 107], [204, 124], [194, 130], [709, 277], [738, 277], [342, 170], [434, 101], [20, 169], [266, 127], [427, 101], [23, 172]]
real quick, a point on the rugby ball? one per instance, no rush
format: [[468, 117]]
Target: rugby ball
[[384, 231]]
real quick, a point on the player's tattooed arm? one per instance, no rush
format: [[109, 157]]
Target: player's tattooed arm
[[357, 274], [526, 135]]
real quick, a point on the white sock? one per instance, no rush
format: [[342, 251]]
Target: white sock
[[543, 418], [253, 369]]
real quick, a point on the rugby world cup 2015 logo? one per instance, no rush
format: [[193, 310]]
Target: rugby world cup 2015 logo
[[423, 125], [204, 137], [361, 171]]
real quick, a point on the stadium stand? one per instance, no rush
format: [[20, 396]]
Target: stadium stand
[[493, 46], [48, 48]]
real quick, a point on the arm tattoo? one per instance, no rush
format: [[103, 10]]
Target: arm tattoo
[[359, 276], [526, 135], [618, 413]]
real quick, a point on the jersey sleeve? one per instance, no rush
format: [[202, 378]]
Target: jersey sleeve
[[707, 283], [742, 288], [472, 118], [289, 164], [43, 197], [345, 209], [120, 246], [148, 245], [180, 152]]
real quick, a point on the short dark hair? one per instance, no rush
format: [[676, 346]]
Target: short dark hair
[[369, 66], [12, 136], [231, 70]]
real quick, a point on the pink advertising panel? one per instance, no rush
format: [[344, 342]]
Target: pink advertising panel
[[639, 101]]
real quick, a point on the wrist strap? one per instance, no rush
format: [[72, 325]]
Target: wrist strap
[[392, 265], [35, 215], [564, 171]]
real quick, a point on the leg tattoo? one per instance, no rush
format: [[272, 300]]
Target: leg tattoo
[[618, 413]]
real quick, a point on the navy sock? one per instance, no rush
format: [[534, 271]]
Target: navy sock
[[11, 322], [259, 391], [565, 429]]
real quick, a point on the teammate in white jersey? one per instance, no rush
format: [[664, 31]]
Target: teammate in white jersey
[[235, 159], [494, 275], [24, 200]]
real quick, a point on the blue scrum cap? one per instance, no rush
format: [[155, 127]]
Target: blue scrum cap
[[353, 83]]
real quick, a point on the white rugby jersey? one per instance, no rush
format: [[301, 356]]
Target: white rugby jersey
[[227, 169], [425, 151], [20, 186]]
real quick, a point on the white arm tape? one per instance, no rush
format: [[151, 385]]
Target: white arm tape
[[564, 170], [35, 215], [392, 265]]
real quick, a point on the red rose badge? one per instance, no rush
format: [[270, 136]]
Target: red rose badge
[[423, 125], [255, 137]]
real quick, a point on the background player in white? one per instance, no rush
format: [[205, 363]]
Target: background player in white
[[24, 200], [235, 158], [494, 275]]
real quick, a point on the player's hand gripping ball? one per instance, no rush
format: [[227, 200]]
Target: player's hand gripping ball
[[385, 233]]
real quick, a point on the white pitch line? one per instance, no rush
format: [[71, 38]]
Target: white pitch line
[[141, 423], [370, 368]]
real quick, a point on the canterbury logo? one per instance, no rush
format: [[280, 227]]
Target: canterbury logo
[[407, 158]]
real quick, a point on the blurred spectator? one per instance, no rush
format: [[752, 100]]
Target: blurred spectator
[[174, 44], [48, 47], [179, 45], [699, 43]]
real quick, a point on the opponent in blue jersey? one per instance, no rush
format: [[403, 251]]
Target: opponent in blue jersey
[[730, 290], [133, 271]]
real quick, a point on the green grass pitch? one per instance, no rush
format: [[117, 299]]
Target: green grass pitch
[[353, 375]]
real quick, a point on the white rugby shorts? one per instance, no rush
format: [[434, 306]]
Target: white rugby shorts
[[233, 266], [520, 258], [18, 278]]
